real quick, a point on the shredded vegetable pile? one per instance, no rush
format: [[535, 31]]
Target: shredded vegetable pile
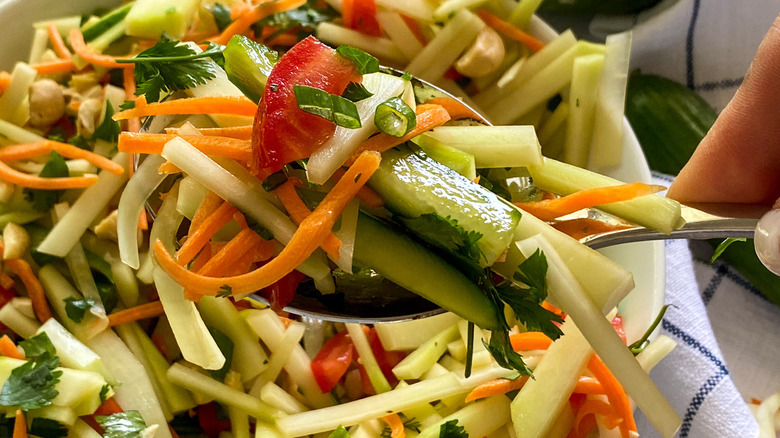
[[175, 173]]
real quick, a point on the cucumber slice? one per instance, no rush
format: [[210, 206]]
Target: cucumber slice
[[152, 18], [106, 22], [248, 65], [417, 188], [409, 264]]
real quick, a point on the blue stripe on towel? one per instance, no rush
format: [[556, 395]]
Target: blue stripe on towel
[[698, 400], [693, 343]]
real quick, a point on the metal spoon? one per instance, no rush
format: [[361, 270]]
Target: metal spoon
[[718, 221]]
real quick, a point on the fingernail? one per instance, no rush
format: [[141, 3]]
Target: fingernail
[[767, 240]]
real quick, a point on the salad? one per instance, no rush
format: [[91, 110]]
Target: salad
[[165, 162]]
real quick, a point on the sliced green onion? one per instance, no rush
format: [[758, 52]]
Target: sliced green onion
[[356, 92], [394, 117], [364, 63], [337, 109]]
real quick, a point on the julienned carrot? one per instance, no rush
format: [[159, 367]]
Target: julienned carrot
[[6, 282], [428, 117], [128, 80], [168, 168], [252, 15], [496, 387], [20, 425], [34, 288], [143, 143], [86, 53], [366, 194], [5, 80], [414, 27], [550, 209], [455, 108], [238, 132], [8, 348], [59, 66], [588, 385], [396, 425], [208, 206], [56, 41], [530, 341], [200, 236], [600, 410], [582, 227], [142, 311], [309, 236], [13, 176], [615, 394], [509, 31], [23, 151], [233, 105], [298, 212]]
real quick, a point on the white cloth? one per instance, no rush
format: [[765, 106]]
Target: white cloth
[[728, 334]]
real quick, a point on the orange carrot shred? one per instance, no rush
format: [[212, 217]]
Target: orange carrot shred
[[59, 66], [6, 282], [308, 237], [530, 341], [455, 108], [550, 209], [141, 311], [428, 117], [8, 348], [23, 151], [495, 387], [366, 194], [128, 80], [582, 227], [56, 41], [20, 425], [34, 288], [5, 80], [234, 105], [200, 237], [206, 208], [588, 385], [254, 14], [85, 52], [414, 27], [596, 408], [298, 212], [396, 425], [168, 168], [143, 143], [237, 132], [510, 31], [615, 394]]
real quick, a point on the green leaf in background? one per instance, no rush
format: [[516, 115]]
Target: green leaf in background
[[44, 200], [589, 7], [722, 247], [742, 257], [127, 424]]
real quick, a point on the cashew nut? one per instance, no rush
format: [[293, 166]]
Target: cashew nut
[[47, 103], [16, 240], [484, 56]]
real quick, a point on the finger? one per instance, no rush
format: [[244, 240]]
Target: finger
[[739, 159]]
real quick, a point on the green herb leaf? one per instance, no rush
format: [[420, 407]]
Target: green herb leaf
[[76, 309], [44, 200], [445, 233], [225, 291], [356, 92], [31, 385], [81, 142], [328, 106], [340, 432], [723, 245], [304, 18], [221, 15], [48, 428], [109, 129], [394, 117], [226, 347], [37, 346], [127, 105], [170, 66], [104, 393], [364, 63], [128, 424], [451, 429], [108, 295], [641, 343], [407, 76], [500, 348]]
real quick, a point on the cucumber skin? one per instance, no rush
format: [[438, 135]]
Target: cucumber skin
[[409, 264], [669, 120], [106, 22], [248, 65], [413, 184]]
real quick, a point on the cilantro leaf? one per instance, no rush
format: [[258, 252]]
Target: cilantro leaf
[[104, 393], [170, 66], [340, 432], [364, 63], [451, 429], [31, 385], [109, 129], [304, 18], [445, 233], [76, 309], [47, 427], [356, 92], [500, 348], [533, 272], [44, 200], [128, 424], [226, 347], [225, 291], [38, 345]]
